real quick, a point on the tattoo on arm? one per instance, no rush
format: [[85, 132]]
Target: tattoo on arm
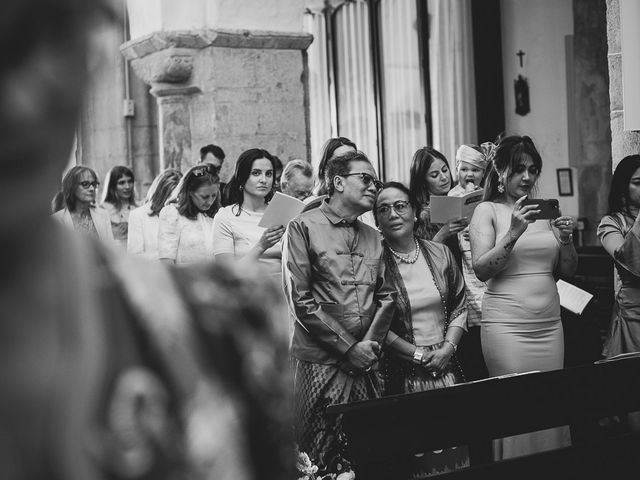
[[510, 244]]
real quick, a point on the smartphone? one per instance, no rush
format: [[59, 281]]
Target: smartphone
[[549, 207]]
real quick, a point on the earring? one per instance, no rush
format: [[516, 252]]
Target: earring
[[500, 186], [415, 219], [241, 187]]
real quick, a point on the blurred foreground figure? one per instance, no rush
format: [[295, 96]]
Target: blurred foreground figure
[[112, 368]]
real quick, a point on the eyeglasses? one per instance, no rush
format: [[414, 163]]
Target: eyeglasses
[[366, 179], [87, 184], [401, 207]]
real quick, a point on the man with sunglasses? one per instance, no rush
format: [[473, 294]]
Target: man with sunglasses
[[214, 156], [334, 278]]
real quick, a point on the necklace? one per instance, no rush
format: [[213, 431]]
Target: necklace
[[405, 257]]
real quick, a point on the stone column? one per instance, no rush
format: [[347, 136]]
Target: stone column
[[592, 157], [623, 142], [168, 71], [237, 89]]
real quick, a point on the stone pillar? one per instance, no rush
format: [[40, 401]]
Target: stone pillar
[[623, 142], [237, 89], [592, 158]]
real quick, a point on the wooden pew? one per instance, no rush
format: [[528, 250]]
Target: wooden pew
[[383, 434]]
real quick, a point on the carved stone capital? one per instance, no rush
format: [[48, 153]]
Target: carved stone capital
[[198, 39], [172, 65], [165, 60]]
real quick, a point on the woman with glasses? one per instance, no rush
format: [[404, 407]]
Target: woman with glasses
[[144, 221], [118, 199], [237, 234], [185, 230], [431, 175], [430, 316], [520, 257], [79, 187]]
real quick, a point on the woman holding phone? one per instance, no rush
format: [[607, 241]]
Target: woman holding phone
[[520, 257], [619, 232]]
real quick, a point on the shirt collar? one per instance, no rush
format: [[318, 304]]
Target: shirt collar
[[332, 215]]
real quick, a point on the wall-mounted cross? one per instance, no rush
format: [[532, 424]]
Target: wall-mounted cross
[[520, 54]]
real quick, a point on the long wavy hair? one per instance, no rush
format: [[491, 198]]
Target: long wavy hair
[[619, 192], [161, 189], [110, 195], [70, 183], [420, 164], [510, 152], [234, 191], [196, 177]]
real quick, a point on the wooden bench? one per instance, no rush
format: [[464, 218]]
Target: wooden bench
[[383, 434]]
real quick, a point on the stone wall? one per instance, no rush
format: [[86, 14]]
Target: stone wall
[[623, 142], [103, 129], [237, 89]]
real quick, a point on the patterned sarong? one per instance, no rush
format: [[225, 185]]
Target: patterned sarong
[[316, 387]]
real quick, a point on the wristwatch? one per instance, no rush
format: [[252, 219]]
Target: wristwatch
[[417, 356]]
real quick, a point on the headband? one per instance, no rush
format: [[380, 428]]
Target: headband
[[470, 155]]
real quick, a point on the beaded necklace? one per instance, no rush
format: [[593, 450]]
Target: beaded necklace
[[405, 257]]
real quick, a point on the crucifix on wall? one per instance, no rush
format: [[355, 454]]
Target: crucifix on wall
[[521, 86]]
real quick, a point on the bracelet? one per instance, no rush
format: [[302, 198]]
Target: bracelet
[[568, 241], [417, 356], [455, 347]]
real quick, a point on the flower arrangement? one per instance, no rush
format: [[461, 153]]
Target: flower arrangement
[[308, 471]]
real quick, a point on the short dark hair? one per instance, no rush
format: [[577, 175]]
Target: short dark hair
[[510, 152], [619, 192], [341, 165], [329, 147], [190, 182], [420, 164], [71, 181], [111, 181], [404, 189], [234, 190], [162, 186], [214, 150]]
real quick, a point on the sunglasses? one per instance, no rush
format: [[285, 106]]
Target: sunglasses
[[201, 170], [366, 179], [87, 184], [401, 207]]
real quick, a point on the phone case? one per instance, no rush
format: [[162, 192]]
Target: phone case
[[549, 207]]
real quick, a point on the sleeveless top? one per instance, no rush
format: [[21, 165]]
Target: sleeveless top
[[525, 290]]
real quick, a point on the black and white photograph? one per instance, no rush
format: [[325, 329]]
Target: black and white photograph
[[319, 239]]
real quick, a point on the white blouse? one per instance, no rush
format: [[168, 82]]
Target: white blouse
[[182, 239], [143, 233], [237, 234]]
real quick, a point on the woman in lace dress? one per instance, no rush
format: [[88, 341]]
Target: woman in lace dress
[[185, 231]]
